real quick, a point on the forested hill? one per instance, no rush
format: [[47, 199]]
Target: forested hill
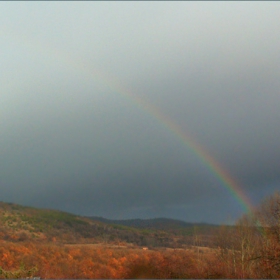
[[20, 223], [154, 224]]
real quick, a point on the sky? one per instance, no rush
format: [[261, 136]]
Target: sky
[[140, 109]]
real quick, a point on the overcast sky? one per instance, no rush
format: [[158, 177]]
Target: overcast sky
[[75, 137]]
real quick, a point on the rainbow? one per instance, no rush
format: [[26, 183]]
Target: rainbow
[[88, 71], [200, 152]]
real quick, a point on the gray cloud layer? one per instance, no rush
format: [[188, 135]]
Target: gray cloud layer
[[71, 139]]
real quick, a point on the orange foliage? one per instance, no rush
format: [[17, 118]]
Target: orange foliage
[[88, 262], [58, 261]]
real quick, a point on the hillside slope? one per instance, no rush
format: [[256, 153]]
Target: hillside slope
[[23, 223]]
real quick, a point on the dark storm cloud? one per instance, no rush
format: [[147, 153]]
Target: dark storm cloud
[[71, 140]]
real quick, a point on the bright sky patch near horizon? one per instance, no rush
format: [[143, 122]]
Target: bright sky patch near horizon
[[73, 140]]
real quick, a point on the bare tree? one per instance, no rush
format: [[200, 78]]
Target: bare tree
[[268, 217]]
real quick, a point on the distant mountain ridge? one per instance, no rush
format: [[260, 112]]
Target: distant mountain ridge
[[153, 223]]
